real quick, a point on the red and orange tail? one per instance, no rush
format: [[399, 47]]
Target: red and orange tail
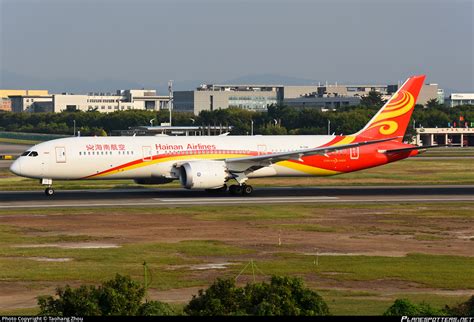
[[393, 118]]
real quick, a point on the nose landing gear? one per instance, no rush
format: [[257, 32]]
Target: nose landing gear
[[49, 191]]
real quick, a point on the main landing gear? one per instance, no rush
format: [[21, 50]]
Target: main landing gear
[[241, 189], [235, 189]]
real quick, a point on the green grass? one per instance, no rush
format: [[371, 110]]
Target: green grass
[[19, 141], [448, 152], [30, 311], [391, 212], [90, 265], [11, 235], [347, 303], [395, 211], [438, 271], [170, 262], [365, 303], [204, 213], [255, 212]]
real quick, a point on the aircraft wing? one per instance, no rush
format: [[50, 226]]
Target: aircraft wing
[[256, 162], [422, 147]]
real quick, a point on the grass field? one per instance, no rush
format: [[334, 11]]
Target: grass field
[[448, 152], [359, 257]]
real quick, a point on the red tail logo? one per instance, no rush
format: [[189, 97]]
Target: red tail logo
[[392, 119]]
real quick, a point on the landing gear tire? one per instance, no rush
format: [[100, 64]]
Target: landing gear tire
[[247, 190], [49, 191], [235, 189]]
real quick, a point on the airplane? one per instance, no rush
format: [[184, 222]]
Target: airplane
[[210, 162]]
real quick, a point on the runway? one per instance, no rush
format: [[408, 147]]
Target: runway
[[262, 195]]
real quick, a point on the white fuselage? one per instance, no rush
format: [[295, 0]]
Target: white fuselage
[[148, 157]]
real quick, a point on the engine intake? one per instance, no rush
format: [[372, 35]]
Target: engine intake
[[203, 174]]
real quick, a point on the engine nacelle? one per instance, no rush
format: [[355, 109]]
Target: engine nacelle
[[153, 180], [203, 174]]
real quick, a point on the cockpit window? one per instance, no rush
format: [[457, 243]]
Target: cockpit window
[[30, 154]]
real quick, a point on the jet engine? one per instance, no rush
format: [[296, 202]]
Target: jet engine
[[203, 174]]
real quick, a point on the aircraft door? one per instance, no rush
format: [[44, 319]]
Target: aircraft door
[[354, 153], [60, 154], [261, 149], [147, 154]]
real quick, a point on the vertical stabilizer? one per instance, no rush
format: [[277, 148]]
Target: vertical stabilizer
[[393, 118]]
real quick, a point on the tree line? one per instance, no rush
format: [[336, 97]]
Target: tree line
[[281, 296], [277, 120]]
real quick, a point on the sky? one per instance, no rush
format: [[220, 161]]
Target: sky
[[79, 45]]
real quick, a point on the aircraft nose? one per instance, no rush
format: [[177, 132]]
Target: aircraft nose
[[16, 167]]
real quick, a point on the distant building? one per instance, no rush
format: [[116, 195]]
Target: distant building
[[429, 92], [459, 136], [107, 102], [175, 130], [323, 103], [4, 93], [102, 102], [210, 97], [31, 103], [456, 99], [441, 96], [5, 101], [5, 104]]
